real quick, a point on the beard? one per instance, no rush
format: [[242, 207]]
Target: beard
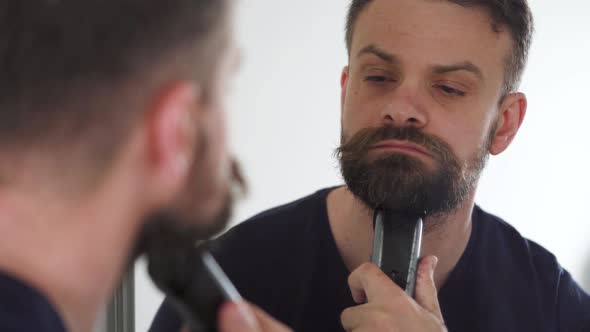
[[169, 235], [403, 183], [168, 230], [170, 240]]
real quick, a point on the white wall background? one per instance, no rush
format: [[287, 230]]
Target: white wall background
[[284, 122]]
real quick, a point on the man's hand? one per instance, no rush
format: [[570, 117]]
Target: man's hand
[[384, 306], [244, 317]]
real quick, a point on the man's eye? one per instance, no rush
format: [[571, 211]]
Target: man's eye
[[451, 91], [377, 78]]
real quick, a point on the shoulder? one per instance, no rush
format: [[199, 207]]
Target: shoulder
[[525, 262], [286, 215], [494, 232], [278, 224], [24, 308], [270, 238]]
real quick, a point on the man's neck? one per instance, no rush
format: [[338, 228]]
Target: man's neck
[[73, 253], [352, 226]]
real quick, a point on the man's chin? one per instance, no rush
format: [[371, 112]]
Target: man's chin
[[216, 224], [398, 199], [167, 229]]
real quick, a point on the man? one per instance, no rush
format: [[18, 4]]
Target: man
[[111, 119], [428, 94]]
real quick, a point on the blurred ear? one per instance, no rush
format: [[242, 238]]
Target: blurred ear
[[171, 138], [343, 86], [512, 112]]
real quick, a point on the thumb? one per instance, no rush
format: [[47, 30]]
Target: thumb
[[267, 323], [237, 317], [426, 293], [244, 317]]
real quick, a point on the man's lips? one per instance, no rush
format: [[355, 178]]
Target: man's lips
[[401, 146]]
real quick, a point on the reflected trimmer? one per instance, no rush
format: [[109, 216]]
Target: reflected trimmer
[[396, 246], [196, 295]]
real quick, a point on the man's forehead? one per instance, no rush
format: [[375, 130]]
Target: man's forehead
[[438, 31], [427, 19]]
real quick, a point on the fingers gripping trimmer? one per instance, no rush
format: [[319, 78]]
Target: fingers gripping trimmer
[[396, 246]]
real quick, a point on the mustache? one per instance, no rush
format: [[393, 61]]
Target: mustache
[[358, 144]]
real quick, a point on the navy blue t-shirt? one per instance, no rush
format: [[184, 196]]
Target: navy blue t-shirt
[[23, 309], [286, 261]]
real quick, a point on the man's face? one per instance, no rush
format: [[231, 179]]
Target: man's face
[[419, 103], [206, 199], [202, 208]]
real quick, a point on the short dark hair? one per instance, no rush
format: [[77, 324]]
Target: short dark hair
[[513, 14], [74, 73]]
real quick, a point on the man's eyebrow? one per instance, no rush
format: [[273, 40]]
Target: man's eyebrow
[[468, 66], [465, 65], [383, 55]]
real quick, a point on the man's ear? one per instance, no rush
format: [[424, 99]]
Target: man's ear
[[171, 137], [512, 112], [343, 86]]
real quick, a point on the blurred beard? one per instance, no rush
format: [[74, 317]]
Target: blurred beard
[[400, 182], [167, 230], [169, 242], [171, 234]]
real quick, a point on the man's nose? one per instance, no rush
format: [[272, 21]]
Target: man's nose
[[405, 108]]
